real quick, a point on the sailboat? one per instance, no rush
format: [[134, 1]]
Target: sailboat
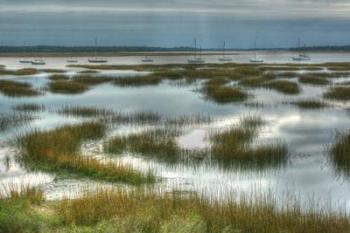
[[301, 56], [38, 61], [256, 59], [224, 58], [196, 59], [25, 60], [97, 59], [147, 59]]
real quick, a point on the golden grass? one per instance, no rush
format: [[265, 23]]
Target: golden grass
[[147, 80], [224, 94], [91, 80], [58, 151], [146, 212]]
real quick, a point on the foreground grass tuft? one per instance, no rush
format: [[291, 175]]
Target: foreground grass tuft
[[14, 120]]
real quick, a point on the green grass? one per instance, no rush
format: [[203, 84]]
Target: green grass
[[314, 80], [146, 212], [67, 87], [310, 104], [256, 81], [58, 151], [340, 153], [284, 86], [16, 213], [59, 77], [233, 146], [53, 71], [29, 107], [338, 93], [17, 89]]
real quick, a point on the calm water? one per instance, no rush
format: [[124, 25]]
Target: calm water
[[307, 174]]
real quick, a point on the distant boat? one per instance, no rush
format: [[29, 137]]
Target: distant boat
[[147, 59], [224, 58], [302, 56], [97, 59], [38, 62], [196, 59], [256, 59], [25, 61]]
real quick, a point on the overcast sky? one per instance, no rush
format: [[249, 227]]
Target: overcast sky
[[276, 23]]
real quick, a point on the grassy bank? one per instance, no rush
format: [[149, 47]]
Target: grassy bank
[[338, 93]]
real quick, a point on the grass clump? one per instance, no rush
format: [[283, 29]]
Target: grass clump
[[234, 146], [338, 93], [284, 86], [310, 104], [20, 72], [67, 87], [224, 94], [140, 211], [58, 151], [138, 81], [310, 79], [91, 80], [340, 153], [59, 77], [158, 143], [17, 89]]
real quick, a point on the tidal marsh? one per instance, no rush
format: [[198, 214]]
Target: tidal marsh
[[67, 87], [310, 104], [284, 86], [314, 80]]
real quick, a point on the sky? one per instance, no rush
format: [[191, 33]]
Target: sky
[[174, 23]]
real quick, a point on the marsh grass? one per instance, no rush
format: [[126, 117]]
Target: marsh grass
[[284, 86], [340, 153], [17, 89], [338, 93], [256, 81], [224, 94], [310, 104], [137, 81], [10, 120], [29, 107], [58, 71], [58, 151], [20, 72], [91, 80], [67, 87], [145, 212], [233, 146], [314, 80], [156, 143], [59, 77]]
